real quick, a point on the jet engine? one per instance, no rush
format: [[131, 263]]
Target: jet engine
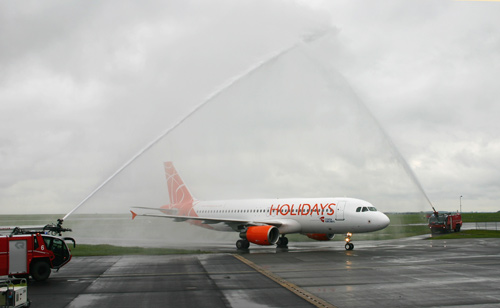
[[320, 236], [262, 235]]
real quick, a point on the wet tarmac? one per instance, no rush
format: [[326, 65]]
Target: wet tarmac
[[394, 273], [208, 280]]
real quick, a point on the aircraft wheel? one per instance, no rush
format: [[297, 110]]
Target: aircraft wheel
[[282, 242], [349, 246], [242, 244], [239, 245]]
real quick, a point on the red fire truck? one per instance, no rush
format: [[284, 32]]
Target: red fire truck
[[27, 252], [445, 222]]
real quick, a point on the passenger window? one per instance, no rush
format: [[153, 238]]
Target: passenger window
[[358, 209]]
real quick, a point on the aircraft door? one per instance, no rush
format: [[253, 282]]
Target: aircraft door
[[339, 210]]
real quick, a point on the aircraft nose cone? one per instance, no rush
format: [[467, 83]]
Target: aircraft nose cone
[[384, 221]]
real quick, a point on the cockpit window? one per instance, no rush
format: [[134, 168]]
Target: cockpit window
[[366, 209]]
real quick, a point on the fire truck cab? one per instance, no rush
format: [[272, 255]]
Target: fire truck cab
[[33, 254]]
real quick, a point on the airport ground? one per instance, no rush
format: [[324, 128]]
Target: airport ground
[[391, 273]]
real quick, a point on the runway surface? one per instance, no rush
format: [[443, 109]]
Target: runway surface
[[395, 273]]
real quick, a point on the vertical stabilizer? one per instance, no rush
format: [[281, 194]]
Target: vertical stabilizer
[[177, 190]]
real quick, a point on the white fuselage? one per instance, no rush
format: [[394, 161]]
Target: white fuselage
[[297, 215]]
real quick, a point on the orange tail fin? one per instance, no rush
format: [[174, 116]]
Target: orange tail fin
[[177, 190]]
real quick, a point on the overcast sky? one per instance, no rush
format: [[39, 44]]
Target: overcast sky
[[84, 86]]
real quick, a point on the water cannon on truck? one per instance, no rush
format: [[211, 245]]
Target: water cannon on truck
[[444, 222]]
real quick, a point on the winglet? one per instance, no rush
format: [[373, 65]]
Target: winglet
[[133, 214]]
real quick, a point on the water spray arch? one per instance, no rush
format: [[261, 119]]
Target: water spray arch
[[210, 98], [330, 77]]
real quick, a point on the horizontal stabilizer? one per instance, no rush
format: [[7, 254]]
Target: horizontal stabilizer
[[163, 210]]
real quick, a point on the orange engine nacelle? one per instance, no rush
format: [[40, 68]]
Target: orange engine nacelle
[[320, 236], [262, 235]]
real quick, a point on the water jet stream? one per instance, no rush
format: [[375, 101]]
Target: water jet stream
[[225, 86], [399, 157]]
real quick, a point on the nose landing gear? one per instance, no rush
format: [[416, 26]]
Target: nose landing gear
[[348, 244]]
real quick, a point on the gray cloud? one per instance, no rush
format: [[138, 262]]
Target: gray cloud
[[85, 86]]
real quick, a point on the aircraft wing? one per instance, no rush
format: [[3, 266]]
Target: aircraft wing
[[210, 220]]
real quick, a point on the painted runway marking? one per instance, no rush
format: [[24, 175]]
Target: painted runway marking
[[314, 300]]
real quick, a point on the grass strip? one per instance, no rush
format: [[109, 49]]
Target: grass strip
[[110, 250], [467, 234], [480, 217]]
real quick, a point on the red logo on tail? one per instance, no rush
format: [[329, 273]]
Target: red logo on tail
[[180, 197]]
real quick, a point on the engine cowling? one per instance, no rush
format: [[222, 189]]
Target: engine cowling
[[320, 236], [262, 235]]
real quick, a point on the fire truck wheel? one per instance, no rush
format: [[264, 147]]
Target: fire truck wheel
[[40, 271]]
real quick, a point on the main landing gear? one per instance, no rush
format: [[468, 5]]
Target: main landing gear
[[282, 242], [348, 244], [242, 244]]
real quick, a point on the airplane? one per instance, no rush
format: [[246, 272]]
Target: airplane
[[268, 221]]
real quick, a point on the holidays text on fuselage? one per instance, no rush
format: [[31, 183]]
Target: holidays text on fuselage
[[302, 209]]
